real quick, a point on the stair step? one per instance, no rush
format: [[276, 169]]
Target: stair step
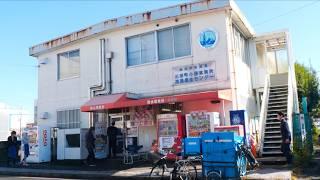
[[272, 142], [272, 152], [272, 137], [279, 88], [276, 99], [277, 95], [276, 86], [272, 127], [272, 132], [276, 106], [280, 102], [271, 147]]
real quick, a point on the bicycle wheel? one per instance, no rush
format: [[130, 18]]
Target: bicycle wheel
[[157, 170], [186, 170], [214, 175]]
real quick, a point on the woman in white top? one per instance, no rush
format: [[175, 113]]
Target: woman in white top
[[25, 143]]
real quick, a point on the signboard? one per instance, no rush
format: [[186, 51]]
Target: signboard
[[302, 127], [198, 123], [194, 73], [100, 144], [208, 38]]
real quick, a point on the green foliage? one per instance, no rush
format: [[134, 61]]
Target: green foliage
[[308, 86], [302, 156], [315, 134]]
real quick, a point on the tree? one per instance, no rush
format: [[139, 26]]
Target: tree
[[308, 86]]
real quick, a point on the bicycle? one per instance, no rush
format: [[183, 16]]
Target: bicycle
[[182, 169]]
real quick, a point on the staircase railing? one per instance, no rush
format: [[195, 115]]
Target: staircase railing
[[264, 111]]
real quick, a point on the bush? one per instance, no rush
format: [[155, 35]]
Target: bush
[[302, 155]]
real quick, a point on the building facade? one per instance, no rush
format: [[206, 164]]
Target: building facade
[[197, 57]]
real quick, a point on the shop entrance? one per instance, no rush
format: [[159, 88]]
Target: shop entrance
[[119, 123]]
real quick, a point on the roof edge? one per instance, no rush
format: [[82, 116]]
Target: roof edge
[[124, 21]]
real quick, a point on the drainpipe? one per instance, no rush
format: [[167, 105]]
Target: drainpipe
[[101, 87]]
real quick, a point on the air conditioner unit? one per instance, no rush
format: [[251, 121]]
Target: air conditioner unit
[[44, 115]]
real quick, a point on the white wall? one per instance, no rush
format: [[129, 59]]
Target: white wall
[[151, 80]]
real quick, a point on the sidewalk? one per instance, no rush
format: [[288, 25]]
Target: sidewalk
[[131, 173]]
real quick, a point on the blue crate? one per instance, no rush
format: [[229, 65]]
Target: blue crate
[[221, 153], [192, 146]]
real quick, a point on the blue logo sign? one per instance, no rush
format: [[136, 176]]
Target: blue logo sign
[[208, 38]]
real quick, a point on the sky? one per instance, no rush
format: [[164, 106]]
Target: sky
[[27, 23]]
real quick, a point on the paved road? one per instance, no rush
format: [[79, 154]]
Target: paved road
[[27, 178]]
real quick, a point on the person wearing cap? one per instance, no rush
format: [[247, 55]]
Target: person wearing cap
[[112, 132], [286, 137]]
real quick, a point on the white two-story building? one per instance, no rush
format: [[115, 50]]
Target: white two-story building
[[192, 57]]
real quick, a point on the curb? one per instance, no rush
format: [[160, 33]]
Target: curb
[[66, 174]]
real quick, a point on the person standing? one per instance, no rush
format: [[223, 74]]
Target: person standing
[[12, 149], [112, 132], [25, 143], [286, 137], [90, 145]]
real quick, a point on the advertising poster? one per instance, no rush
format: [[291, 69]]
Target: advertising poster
[[100, 133], [33, 141], [166, 142], [168, 128], [142, 116], [198, 123]]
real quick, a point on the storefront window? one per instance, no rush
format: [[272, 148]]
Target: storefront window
[[168, 128]]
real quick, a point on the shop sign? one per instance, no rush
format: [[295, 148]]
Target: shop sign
[[208, 38], [97, 107], [194, 73], [45, 137], [161, 100]]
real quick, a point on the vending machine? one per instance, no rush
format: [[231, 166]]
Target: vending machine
[[39, 144], [171, 131], [240, 117], [201, 122]]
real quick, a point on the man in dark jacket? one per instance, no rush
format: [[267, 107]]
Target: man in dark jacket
[[13, 147], [90, 145], [112, 132], [286, 137]]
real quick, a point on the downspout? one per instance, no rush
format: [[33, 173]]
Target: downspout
[[109, 57], [102, 71], [231, 61]]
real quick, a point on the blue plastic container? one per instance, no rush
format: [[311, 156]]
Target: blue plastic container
[[221, 153], [192, 146]]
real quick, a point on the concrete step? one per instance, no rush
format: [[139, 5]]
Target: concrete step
[[272, 128], [274, 160], [278, 102], [281, 91], [278, 95], [271, 147], [276, 106], [273, 137], [272, 152], [279, 88], [272, 132], [272, 142], [276, 86], [278, 99]]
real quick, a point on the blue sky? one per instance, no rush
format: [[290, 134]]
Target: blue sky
[[24, 24]]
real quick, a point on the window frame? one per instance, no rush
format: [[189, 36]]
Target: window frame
[[58, 65], [69, 124], [157, 60]]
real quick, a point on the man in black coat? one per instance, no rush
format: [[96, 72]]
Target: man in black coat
[[112, 133], [13, 148], [90, 145], [286, 137]]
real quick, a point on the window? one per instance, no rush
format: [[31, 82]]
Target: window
[[68, 119], [141, 49], [170, 43], [174, 42], [69, 64]]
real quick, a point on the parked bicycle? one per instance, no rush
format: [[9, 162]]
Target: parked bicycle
[[183, 169]]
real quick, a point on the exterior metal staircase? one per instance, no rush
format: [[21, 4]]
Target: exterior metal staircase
[[278, 101]]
